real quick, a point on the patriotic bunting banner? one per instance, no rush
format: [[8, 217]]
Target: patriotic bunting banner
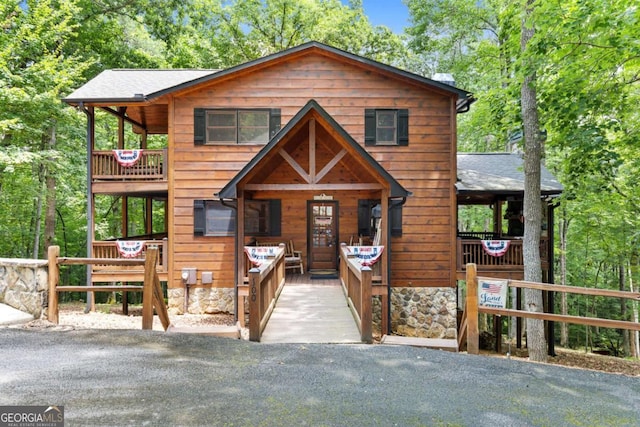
[[493, 293], [127, 158], [495, 247], [259, 254], [130, 248], [366, 255]]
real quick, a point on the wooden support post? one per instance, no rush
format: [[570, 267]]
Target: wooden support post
[[54, 277], [254, 304], [158, 302], [147, 292], [473, 339], [366, 316]]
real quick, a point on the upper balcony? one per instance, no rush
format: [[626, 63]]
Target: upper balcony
[[142, 172]]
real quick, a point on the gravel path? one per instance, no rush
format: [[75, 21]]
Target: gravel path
[[133, 377]]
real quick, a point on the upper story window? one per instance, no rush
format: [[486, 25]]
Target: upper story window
[[386, 127], [235, 126]]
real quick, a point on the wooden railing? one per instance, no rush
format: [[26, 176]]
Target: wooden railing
[[152, 297], [469, 331], [356, 281], [471, 251], [109, 250], [265, 285], [151, 166]]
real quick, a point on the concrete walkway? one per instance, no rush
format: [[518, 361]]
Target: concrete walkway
[[12, 316], [309, 313]]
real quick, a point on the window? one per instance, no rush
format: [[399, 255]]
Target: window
[[212, 218], [386, 127], [232, 126], [369, 211], [262, 217]]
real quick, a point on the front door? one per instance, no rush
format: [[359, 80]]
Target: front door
[[322, 235]]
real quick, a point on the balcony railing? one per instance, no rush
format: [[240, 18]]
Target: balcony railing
[[151, 166], [110, 250], [472, 251]]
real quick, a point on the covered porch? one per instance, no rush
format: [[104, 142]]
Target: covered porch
[[314, 186], [490, 193]]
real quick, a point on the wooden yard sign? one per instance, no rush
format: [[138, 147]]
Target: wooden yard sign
[[492, 293]]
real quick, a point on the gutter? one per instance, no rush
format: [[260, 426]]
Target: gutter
[[393, 203], [235, 255]]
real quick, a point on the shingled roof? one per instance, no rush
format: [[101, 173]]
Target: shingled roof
[[132, 85], [498, 173], [140, 85]]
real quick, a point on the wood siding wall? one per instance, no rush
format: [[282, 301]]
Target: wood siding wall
[[423, 256]]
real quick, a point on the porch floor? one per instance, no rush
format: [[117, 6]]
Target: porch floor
[[311, 311]]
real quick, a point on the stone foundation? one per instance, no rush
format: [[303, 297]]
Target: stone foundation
[[202, 300], [424, 312], [24, 285]]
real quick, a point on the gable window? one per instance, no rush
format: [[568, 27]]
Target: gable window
[[262, 217], [386, 127], [235, 126], [212, 218]]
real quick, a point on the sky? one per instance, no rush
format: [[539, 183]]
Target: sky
[[391, 13]]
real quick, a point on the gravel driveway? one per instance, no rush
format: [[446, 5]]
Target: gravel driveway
[[118, 378]]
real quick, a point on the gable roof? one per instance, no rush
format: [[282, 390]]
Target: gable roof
[[499, 173], [131, 85], [396, 189], [145, 84]]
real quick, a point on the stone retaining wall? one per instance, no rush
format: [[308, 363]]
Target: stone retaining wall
[[23, 285], [202, 300], [424, 312]]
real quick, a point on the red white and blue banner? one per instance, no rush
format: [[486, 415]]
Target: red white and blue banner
[[365, 255], [258, 255], [130, 248], [127, 158], [492, 293], [495, 247]]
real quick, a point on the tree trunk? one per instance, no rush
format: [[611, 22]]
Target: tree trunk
[[622, 279], [37, 223], [564, 306], [50, 212], [536, 342], [635, 341]]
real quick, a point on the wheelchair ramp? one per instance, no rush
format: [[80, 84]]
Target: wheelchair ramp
[[311, 313]]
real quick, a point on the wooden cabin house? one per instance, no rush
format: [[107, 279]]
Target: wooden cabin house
[[312, 146]]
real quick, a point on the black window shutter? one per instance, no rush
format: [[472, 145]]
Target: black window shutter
[[275, 217], [403, 127], [395, 219], [364, 217], [199, 218], [199, 126], [274, 122], [369, 127]]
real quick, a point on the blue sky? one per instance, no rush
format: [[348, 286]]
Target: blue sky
[[392, 13]]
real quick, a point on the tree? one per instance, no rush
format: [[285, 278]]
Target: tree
[[533, 151]]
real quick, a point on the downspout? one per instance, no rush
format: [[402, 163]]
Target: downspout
[[235, 256], [393, 203], [90, 127]]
